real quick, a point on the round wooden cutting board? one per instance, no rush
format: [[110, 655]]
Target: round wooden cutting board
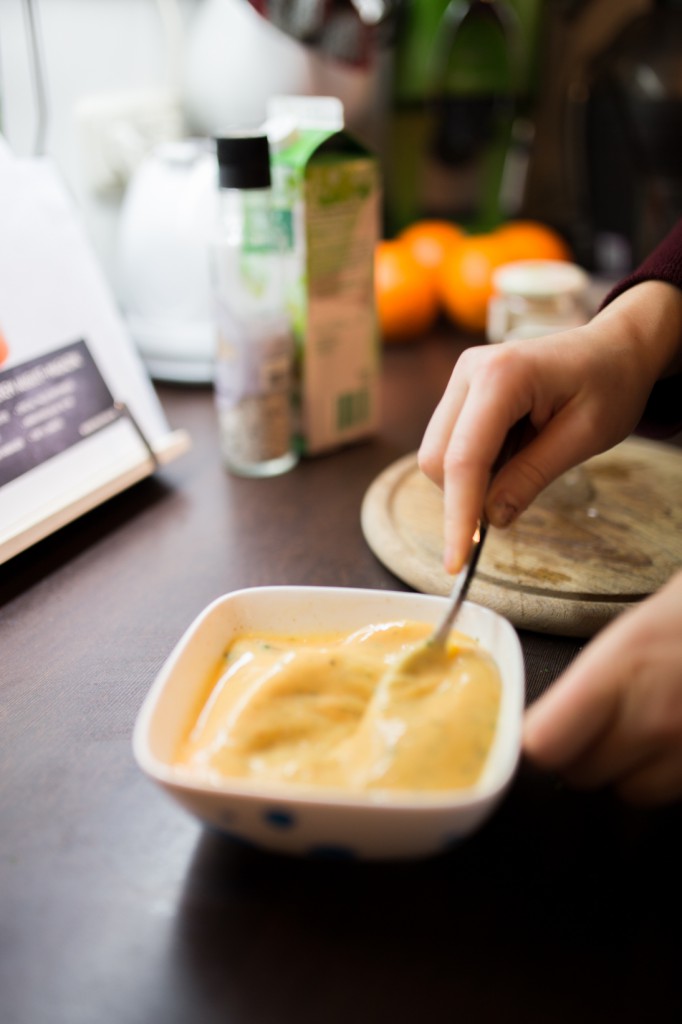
[[598, 540]]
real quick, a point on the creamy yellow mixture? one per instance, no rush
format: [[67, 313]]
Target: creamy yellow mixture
[[347, 711]]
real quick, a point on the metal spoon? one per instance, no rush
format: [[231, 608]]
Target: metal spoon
[[423, 655], [510, 446], [460, 588]]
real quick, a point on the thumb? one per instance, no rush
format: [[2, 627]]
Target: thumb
[[542, 461]]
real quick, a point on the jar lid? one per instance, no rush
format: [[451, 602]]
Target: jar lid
[[243, 159], [540, 279]]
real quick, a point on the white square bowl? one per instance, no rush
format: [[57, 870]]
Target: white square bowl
[[289, 820]]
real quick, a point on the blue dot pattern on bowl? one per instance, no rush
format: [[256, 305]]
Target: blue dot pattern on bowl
[[280, 819]]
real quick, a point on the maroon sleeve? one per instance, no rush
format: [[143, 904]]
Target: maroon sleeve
[[663, 264], [663, 414]]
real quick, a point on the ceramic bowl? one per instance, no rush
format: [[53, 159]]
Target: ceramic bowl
[[321, 823]]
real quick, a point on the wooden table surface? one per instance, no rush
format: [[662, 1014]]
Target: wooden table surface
[[117, 908]]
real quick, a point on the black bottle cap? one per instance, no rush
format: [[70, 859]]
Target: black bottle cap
[[243, 159]]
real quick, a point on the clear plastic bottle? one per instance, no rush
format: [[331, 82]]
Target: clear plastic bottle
[[255, 343]]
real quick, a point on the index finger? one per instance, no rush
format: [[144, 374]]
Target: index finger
[[439, 429], [486, 417]]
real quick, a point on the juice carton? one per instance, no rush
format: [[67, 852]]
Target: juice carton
[[327, 192]]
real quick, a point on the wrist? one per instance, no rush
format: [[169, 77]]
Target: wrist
[[648, 318]]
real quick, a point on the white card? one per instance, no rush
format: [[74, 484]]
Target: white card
[[67, 367]]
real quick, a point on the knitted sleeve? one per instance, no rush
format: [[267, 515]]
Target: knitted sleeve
[[663, 264], [663, 413]]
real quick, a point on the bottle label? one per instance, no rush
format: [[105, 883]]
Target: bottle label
[[267, 230], [256, 430], [253, 386]]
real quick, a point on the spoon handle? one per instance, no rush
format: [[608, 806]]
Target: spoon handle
[[510, 446], [461, 587]]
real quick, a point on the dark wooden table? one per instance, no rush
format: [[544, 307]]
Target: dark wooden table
[[116, 908]]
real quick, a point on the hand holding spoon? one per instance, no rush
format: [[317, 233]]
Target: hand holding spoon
[[425, 655]]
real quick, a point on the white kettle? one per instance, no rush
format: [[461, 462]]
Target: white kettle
[[162, 260]]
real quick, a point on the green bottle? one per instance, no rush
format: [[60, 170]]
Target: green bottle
[[462, 70]]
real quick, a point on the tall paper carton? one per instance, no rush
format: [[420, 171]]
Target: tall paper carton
[[327, 191]]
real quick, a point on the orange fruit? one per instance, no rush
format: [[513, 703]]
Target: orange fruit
[[4, 348], [465, 280], [406, 296], [430, 240], [530, 240]]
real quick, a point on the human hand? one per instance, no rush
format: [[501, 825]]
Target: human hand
[[582, 390], [615, 716]]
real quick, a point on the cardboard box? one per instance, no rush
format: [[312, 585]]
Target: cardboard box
[[327, 192]]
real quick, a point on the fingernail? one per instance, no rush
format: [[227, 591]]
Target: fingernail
[[503, 512], [453, 562]]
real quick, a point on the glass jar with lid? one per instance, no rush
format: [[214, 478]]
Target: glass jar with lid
[[535, 297]]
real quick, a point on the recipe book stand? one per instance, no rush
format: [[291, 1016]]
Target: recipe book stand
[[79, 418]]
